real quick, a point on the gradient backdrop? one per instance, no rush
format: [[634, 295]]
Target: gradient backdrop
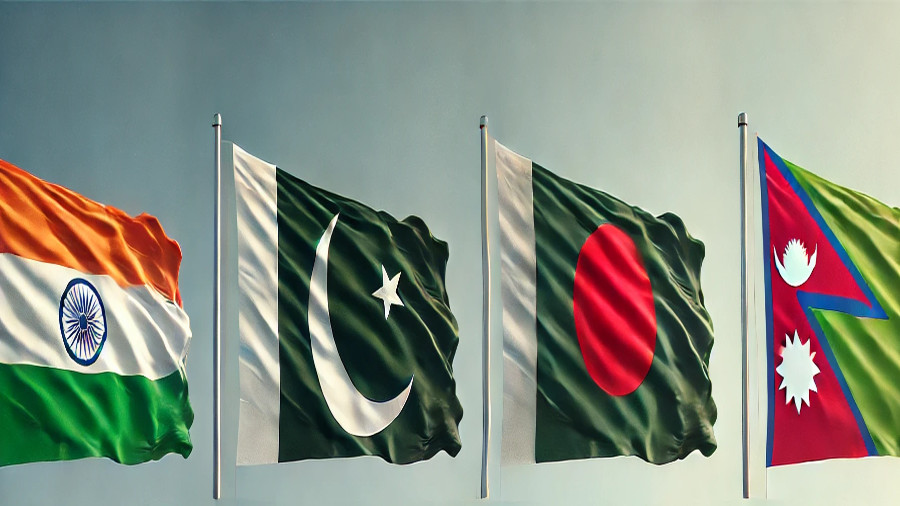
[[380, 102]]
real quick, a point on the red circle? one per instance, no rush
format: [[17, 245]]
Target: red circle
[[615, 318]]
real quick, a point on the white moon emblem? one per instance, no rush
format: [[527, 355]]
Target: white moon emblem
[[797, 267], [355, 413]]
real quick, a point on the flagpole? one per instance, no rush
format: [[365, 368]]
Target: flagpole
[[486, 313], [217, 315], [745, 369]]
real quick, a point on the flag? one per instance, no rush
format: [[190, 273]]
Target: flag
[[347, 339], [832, 307], [606, 341], [93, 337]]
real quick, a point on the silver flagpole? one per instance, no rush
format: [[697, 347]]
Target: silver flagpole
[[486, 312], [217, 316], [745, 369]]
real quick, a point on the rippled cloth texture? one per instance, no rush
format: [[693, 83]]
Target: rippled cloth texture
[[868, 350], [46, 222], [380, 354], [847, 310], [671, 413], [51, 414], [130, 404]]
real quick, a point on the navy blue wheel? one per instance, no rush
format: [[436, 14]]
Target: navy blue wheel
[[82, 321]]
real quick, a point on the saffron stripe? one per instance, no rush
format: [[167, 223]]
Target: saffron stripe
[[52, 224]]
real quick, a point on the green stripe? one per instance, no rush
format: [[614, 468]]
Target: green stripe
[[51, 414], [867, 350]]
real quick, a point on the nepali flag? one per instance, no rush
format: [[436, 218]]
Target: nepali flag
[[832, 270]]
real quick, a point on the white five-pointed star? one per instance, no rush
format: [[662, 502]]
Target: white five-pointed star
[[797, 370], [388, 291]]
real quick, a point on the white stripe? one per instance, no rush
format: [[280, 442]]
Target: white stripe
[[518, 273], [147, 334], [260, 375]]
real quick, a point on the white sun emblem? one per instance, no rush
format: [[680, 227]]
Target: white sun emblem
[[797, 370]]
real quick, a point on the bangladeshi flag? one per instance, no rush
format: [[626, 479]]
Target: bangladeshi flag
[[832, 308], [606, 339]]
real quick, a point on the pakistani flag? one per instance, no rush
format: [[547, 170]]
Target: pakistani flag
[[832, 315], [93, 337], [347, 338], [606, 341]]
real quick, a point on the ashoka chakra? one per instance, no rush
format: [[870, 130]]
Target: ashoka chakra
[[82, 321]]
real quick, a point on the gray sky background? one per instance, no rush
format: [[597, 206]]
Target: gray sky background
[[380, 102]]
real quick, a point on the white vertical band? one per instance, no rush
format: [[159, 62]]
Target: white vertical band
[[260, 373], [518, 288]]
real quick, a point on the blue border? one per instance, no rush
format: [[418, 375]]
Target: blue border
[[810, 300], [770, 348]]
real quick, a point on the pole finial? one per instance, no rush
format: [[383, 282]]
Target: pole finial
[[742, 119], [483, 121], [217, 120]]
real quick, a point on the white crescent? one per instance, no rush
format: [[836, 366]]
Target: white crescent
[[355, 413]]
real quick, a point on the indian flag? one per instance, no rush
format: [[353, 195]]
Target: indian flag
[[93, 337]]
